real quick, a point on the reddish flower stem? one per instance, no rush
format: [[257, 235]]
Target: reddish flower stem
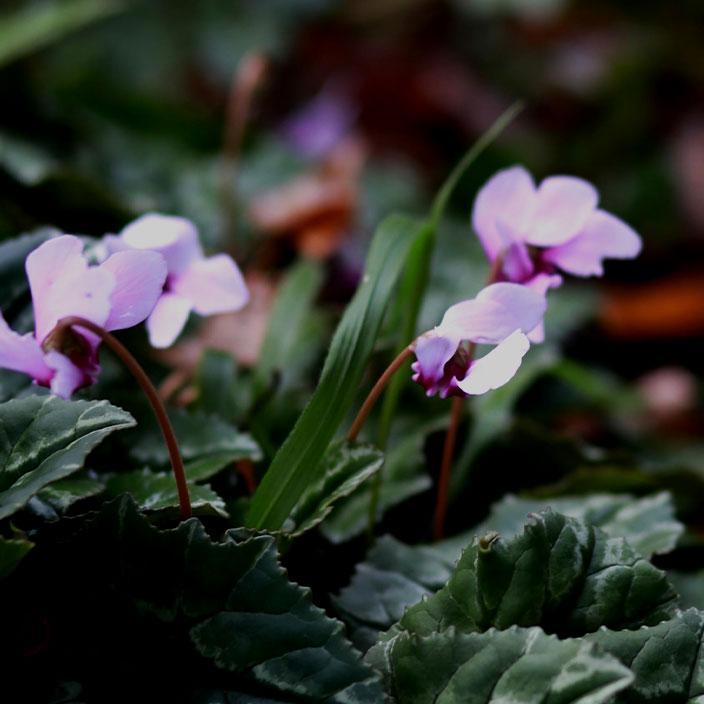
[[448, 452], [374, 394], [152, 395]]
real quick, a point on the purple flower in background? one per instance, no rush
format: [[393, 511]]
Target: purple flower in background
[[194, 283], [318, 126], [116, 294], [500, 315], [539, 230]]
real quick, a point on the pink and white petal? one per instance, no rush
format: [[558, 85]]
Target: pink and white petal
[[139, 282], [495, 313], [213, 285], [63, 284], [564, 204], [502, 208], [497, 367], [541, 283], [433, 351], [175, 238], [519, 307], [603, 237], [22, 353], [167, 320], [67, 376]]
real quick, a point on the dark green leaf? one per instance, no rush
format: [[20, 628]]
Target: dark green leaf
[[560, 573], [63, 494], [516, 665], [648, 523], [156, 491], [217, 385], [297, 464], [236, 602], [208, 466], [12, 550], [667, 659], [44, 438], [347, 466], [199, 436]]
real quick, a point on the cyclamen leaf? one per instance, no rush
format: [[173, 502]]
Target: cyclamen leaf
[[63, 494], [389, 580], [45, 438], [560, 573], [667, 660], [156, 491], [648, 523], [12, 551], [199, 436], [346, 467], [524, 666], [236, 602], [297, 463]]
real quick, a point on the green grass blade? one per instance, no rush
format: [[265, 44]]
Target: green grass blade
[[297, 463]]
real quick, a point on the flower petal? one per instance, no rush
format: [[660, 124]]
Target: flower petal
[[67, 376], [432, 351], [563, 206], [495, 313], [517, 265], [541, 283], [503, 206], [167, 319], [604, 236], [213, 285], [175, 238], [21, 353], [63, 284], [497, 367], [139, 281]]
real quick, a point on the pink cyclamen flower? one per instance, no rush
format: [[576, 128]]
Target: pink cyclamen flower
[[194, 283], [556, 226], [116, 294], [499, 315]]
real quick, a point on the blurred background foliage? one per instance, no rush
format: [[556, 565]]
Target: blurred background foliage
[[287, 128]]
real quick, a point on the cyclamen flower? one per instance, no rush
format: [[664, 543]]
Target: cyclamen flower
[[500, 315], [556, 226], [194, 283], [116, 294]]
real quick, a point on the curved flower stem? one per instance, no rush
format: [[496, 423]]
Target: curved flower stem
[[374, 394], [448, 452], [152, 395]]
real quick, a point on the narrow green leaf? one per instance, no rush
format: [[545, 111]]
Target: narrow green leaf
[[12, 551], [293, 305], [560, 573], [44, 438], [518, 665], [40, 24], [216, 381], [346, 467], [297, 464]]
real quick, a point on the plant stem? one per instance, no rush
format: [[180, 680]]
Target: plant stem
[[374, 394], [448, 451], [248, 76], [152, 395]]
